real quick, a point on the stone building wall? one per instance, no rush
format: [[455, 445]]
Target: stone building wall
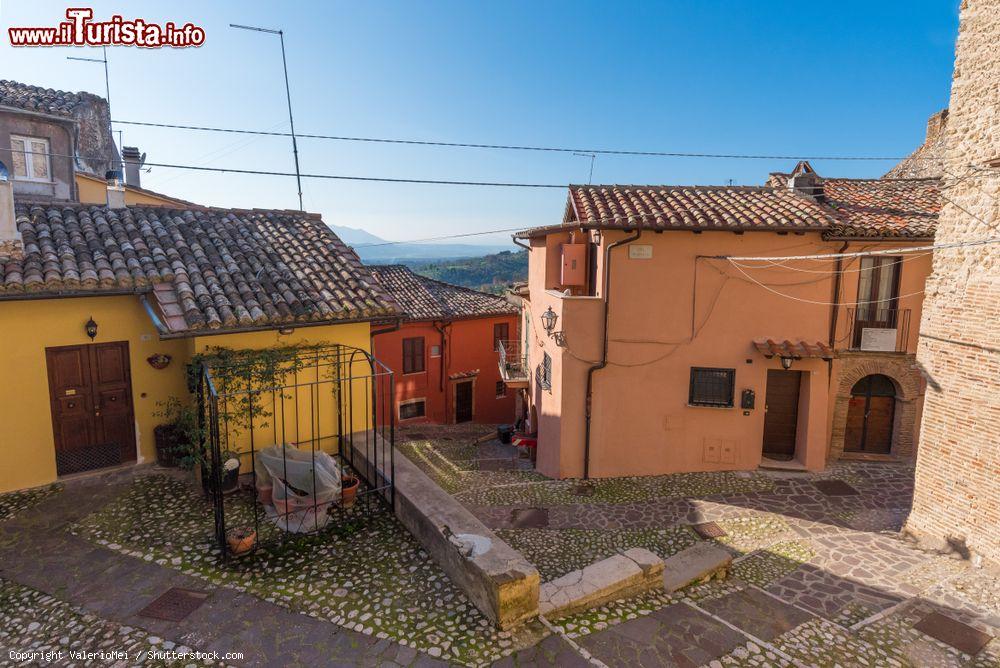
[[957, 499]]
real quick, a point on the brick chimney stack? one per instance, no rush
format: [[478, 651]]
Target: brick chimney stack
[[10, 239]]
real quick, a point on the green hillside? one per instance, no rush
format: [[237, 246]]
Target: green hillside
[[490, 273]]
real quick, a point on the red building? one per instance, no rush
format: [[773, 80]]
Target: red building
[[443, 353]]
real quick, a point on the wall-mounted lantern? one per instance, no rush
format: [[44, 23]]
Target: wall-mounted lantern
[[549, 320], [786, 362], [91, 328]]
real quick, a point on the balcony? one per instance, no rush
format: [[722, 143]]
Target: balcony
[[513, 364], [878, 329]]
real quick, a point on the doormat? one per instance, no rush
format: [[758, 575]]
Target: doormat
[[709, 530], [835, 488], [174, 604], [959, 635]]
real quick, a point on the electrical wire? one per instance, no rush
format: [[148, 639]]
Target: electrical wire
[[514, 147]]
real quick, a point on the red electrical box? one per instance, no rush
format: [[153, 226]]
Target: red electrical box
[[574, 264]]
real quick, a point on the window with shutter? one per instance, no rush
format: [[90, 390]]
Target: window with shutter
[[413, 355]]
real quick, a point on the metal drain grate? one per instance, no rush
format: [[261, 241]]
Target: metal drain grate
[[88, 458], [529, 518], [709, 530], [583, 489], [174, 604], [835, 488], [959, 635]]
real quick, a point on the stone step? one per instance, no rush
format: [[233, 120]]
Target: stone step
[[697, 563], [627, 574]]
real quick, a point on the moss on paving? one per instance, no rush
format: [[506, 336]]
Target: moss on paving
[[373, 577], [13, 503]]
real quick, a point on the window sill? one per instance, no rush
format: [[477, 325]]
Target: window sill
[[725, 408]]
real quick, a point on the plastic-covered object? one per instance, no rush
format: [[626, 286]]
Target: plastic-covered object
[[305, 483]]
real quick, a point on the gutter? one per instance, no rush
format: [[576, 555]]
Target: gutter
[[375, 332], [604, 356]]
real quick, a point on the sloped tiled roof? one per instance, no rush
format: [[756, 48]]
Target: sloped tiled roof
[[41, 100], [883, 207], [214, 269], [422, 298], [696, 207]]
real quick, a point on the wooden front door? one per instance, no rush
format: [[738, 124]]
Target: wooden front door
[[463, 401], [870, 415], [90, 391], [781, 413]]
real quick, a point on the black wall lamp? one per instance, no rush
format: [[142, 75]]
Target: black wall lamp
[[91, 328], [549, 320]]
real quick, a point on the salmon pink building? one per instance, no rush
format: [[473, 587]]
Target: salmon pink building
[[659, 338], [443, 352]]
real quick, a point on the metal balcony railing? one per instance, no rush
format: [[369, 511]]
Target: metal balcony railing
[[878, 329], [513, 362]]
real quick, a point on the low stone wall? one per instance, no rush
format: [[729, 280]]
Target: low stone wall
[[496, 577]]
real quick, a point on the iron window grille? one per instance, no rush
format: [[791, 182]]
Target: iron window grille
[[543, 373], [412, 409], [501, 389], [413, 355], [712, 387]]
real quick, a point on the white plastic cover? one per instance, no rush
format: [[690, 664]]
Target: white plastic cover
[[305, 484]]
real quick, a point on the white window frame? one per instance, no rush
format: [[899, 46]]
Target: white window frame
[[30, 157]]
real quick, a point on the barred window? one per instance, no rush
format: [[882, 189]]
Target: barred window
[[501, 389], [711, 387], [412, 409]]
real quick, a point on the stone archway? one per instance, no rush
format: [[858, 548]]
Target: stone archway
[[905, 375]]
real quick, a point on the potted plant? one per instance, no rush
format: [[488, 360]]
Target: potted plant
[[241, 539], [348, 489], [177, 436]]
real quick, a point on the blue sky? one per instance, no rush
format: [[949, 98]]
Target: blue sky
[[847, 78]]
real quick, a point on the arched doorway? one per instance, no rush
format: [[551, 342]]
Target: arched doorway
[[870, 415]]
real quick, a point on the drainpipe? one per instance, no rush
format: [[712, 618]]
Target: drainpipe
[[375, 332], [604, 355], [835, 309], [442, 364]]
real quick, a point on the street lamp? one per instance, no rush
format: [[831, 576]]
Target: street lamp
[[549, 320], [288, 95]]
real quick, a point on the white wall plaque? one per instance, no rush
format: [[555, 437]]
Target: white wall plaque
[[640, 252], [876, 338]]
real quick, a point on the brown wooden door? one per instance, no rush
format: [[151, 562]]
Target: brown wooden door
[[781, 413], [90, 393], [463, 401], [870, 415]]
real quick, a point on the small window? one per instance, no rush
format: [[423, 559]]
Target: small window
[[501, 389], [712, 387], [413, 355], [435, 351], [412, 409], [501, 332], [30, 156], [543, 373]]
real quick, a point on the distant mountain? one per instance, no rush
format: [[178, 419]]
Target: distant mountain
[[376, 250], [490, 273]]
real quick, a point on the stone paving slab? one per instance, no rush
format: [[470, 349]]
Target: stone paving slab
[[757, 613], [698, 562]]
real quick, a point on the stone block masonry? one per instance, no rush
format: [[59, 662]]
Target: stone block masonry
[[957, 497]]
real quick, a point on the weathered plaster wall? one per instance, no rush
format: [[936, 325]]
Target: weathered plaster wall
[[957, 497]]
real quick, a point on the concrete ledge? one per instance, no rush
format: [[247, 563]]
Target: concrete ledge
[[621, 576], [697, 563], [495, 577]]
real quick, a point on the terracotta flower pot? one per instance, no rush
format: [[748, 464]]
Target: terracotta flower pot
[[265, 494], [348, 491], [241, 540]]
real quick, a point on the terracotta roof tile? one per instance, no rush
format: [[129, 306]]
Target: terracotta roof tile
[[422, 298], [41, 100], [883, 207], [211, 268]]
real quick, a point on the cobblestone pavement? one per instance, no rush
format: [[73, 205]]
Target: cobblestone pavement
[[820, 575]]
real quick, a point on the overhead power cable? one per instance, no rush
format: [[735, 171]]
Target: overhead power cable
[[516, 147]]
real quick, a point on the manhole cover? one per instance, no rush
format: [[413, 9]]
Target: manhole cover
[[529, 518], [835, 488], [584, 489], [709, 530], [959, 635], [175, 604]]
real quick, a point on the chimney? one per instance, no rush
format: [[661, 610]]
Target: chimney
[[116, 189], [10, 239], [133, 164], [936, 126], [805, 181]]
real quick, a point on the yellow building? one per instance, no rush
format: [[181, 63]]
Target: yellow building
[[102, 307]]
